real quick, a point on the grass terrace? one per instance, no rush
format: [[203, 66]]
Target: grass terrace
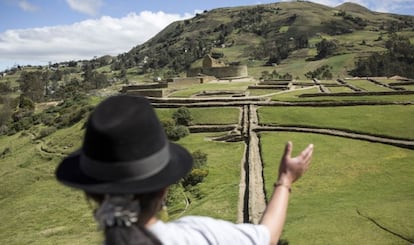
[[368, 85], [213, 115], [343, 181], [340, 89], [390, 120], [216, 86]]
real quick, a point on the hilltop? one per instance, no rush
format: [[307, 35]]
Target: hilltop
[[278, 33]]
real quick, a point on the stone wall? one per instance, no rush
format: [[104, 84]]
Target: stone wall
[[143, 86], [157, 93], [220, 72], [190, 80], [359, 94]]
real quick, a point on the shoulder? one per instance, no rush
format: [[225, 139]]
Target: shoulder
[[206, 230]]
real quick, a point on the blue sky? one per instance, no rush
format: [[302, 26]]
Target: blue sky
[[38, 31]]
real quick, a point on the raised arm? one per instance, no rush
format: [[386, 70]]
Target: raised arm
[[290, 170]]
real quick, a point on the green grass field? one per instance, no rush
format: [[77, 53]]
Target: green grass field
[[392, 120], [343, 179], [340, 90]]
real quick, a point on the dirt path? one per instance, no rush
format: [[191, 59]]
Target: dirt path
[[242, 208], [257, 200], [252, 200]]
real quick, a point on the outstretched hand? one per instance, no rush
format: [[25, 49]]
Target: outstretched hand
[[291, 169]]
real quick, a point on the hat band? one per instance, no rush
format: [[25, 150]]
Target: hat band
[[126, 170]]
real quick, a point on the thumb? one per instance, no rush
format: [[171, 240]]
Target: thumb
[[288, 150]]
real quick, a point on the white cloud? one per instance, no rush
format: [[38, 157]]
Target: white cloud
[[82, 40], [89, 7], [26, 6]]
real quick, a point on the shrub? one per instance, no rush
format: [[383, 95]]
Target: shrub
[[199, 159], [183, 116], [168, 125], [46, 131], [174, 132], [47, 118], [196, 176], [26, 103], [5, 152], [323, 72], [178, 132], [175, 194]]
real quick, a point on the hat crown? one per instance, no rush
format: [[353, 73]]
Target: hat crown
[[121, 129]]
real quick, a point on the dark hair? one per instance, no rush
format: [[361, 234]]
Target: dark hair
[[135, 234]]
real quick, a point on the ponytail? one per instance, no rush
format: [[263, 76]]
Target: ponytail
[[122, 217]]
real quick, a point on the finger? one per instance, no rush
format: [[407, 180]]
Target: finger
[[306, 154], [288, 150]]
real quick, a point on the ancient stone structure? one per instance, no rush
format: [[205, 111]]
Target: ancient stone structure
[[190, 80], [157, 93], [216, 68], [209, 62], [152, 90]]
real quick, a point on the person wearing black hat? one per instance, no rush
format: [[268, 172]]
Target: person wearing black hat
[[126, 164]]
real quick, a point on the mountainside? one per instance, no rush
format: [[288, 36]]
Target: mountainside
[[278, 33]]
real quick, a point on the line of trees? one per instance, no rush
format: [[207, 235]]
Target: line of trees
[[397, 60]]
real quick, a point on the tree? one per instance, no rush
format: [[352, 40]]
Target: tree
[[398, 59], [5, 113], [302, 41], [325, 48], [26, 103], [33, 85], [93, 79]]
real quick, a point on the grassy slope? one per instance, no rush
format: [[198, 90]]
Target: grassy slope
[[37, 209], [343, 179], [395, 120], [221, 187]]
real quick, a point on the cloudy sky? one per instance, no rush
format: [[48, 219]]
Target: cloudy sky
[[41, 31]]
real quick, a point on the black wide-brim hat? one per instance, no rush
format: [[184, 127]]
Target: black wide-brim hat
[[125, 151]]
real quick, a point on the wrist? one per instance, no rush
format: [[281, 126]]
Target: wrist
[[285, 180], [282, 184]]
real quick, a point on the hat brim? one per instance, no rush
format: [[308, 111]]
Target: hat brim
[[70, 173]]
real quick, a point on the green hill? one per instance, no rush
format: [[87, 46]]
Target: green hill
[[284, 32]]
